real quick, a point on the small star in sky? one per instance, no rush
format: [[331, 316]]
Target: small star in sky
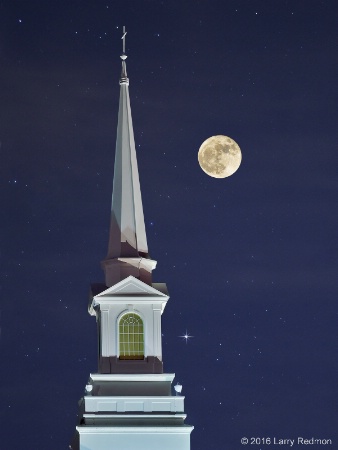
[[186, 336]]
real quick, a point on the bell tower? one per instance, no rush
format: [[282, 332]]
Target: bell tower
[[129, 404]]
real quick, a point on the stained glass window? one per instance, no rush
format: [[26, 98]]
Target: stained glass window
[[131, 337]]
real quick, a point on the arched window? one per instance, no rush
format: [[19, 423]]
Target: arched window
[[131, 337]]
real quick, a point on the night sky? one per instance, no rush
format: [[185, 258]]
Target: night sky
[[251, 261]]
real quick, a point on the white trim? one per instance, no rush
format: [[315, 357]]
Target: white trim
[[132, 377], [129, 299], [135, 416], [87, 429], [146, 404], [138, 293]]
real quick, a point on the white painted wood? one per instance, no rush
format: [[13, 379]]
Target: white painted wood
[[133, 377], [157, 335], [132, 404], [105, 334], [130, 295], [135, 438]]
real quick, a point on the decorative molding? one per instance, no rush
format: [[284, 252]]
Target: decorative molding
[[185, 429], [160, 377], [135, 416], [129, 404]]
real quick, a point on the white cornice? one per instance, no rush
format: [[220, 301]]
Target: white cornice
[[135, 416], [183, 429], [130, 290], [132, 377]]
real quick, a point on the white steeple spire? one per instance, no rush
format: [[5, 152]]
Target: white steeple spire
[[127, 249]]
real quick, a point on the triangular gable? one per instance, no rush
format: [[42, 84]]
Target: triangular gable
[[131, 286]]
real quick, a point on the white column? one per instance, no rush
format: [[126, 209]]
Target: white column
[[157, 310], [104, 330]]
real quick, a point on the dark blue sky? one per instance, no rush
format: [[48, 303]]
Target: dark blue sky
[[250, 261]]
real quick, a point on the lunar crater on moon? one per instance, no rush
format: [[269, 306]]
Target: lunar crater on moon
[[219, 156]]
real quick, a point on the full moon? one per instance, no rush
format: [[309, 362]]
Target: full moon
[[219, 156]]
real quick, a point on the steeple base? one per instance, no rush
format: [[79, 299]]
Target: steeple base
[[126, 412], [131, 437]]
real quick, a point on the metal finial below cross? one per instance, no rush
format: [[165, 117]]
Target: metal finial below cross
[[124, 40]]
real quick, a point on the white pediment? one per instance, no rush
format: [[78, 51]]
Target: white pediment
[[131, 286]]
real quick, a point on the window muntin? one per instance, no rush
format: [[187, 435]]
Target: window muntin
[[131, 337]]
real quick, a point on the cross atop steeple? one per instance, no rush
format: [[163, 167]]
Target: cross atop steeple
[[127, 248], [124, 40]]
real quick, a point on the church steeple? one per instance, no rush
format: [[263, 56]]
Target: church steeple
[[127, 248], [129, 402]]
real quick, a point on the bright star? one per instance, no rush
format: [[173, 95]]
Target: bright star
[[186, 336]]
